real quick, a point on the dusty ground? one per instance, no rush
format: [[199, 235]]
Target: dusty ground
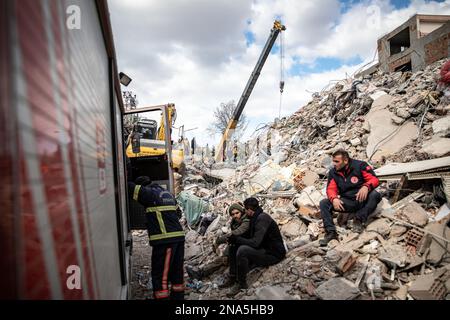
[[140, 269]]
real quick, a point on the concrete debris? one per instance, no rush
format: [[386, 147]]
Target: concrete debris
[[381, 226], [387, 123], [337, 289], [444, 213], [273, 293], [430, 286], [309, 197], [397, 231], [414, 213], [438, 248], [293, 229], [441, 127], [437, 147], [345, 263], [394, 255]]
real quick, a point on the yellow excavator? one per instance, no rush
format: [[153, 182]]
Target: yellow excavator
[[152, 142]]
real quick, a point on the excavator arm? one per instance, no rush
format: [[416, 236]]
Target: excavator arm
[[172, 117]]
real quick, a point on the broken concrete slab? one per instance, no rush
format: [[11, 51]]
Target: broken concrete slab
[[401, 293], [310, 178], [414, 214], [386, 139], [192, 251], [443, 213], [437, 247], [382, 205], [309, 196], [293, 229], [191, 236], [273, 293], [381, 226], [393, 255], [397, 230], [441, 127], [337, 289], [380, 100], [303, 240], [397, 120], [403, 113], [430, 286], [437, 147], [356, 243]]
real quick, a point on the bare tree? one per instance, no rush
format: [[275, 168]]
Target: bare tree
[[223, 115]]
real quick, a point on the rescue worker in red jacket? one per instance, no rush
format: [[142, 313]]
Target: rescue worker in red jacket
[[166, 237], [351, 188]]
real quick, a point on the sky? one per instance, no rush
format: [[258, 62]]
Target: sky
[[200, 53]]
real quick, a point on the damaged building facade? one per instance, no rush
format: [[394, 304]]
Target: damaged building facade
[[420, 41]]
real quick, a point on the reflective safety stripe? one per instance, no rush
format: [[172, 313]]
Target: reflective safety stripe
[[136, 192], [167, 235], [162, 226], [166, 268], [178, 287], [161, 208], [161, 294]]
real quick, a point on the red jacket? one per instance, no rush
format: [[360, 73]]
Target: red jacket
[[347, 182]]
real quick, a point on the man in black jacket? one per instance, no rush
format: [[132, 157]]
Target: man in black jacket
[[261, 246], [351, 188]]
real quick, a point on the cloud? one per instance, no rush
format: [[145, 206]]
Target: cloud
[[196, 54]]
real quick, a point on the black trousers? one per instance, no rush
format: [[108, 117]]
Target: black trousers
[[168, 267], [362, 209], [244, 258]]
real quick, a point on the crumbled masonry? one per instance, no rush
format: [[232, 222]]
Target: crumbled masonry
[[403, 253]]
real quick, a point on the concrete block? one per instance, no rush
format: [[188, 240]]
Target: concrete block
[[441, 127], [437, 146], [273, 293], [430, 286], [337, 289], [415, 214]]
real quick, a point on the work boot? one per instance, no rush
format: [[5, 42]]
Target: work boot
[[357, 226], [229, 281], [194, 273], [234, 290], [328, 237]]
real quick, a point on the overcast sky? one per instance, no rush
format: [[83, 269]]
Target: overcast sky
[[200, 53]]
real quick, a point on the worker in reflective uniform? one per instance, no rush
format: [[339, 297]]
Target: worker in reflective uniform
[[166, 237]]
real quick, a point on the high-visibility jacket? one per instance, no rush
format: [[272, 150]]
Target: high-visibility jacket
[[163, 223]]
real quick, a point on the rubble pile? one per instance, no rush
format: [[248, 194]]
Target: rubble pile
[[403, 252]]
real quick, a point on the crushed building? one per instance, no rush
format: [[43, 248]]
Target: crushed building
[[398, 123], [417, 43]]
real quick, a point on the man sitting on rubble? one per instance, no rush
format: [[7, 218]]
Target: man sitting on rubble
[[262, 246], [351, 188], [239, 225]]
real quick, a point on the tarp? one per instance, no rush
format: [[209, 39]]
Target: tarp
[[192, 206]]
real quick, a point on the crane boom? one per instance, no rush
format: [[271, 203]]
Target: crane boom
[[277, 28]]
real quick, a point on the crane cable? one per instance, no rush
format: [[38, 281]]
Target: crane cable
[[281, 73]]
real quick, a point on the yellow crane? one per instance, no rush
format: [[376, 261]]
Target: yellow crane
[[276, 29]]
